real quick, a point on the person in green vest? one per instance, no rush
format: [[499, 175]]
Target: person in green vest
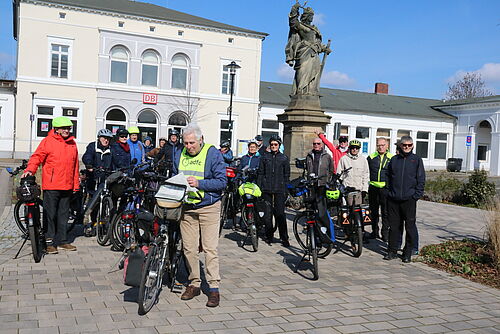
[[377, 190], [204, 168]]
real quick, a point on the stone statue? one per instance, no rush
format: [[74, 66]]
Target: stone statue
[[303, 50]]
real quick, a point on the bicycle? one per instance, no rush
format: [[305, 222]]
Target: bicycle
[[165, 252], [229, 200], [306, 226], [249, 193], [28, 193]]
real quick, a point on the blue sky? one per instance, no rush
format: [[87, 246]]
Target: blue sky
[[416, 47]]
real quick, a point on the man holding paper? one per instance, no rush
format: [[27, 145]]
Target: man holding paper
[[204, 168]]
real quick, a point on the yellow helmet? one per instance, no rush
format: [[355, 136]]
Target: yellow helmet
[[133, 129], [354, 143]]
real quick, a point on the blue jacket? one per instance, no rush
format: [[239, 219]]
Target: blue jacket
[[119, 157], [252, 161], [215, 179], [406, 177], [228, 157], [147, 149], [136, 151]]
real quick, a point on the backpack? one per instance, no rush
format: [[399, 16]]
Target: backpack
[[132, 269]]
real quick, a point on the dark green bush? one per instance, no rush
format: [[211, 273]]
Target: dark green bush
[[478, 191], [444, 189]]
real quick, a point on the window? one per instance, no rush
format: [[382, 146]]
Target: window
[[440, 145], [119, 64], [115, 119], [270, 128], [147, 125], [0, 117], [402, 133], [150, 68], [44, 120], [70, 112], [423, 144], [344, 130], [226, 78], [385, 133], [224, 131], [179, 71], [362, 132], [59, 61], [62, 15], [482, 152], [177, 120], [230, 40], [152, 28], [180, 33], [121, 24]]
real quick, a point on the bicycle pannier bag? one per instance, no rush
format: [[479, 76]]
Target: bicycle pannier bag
[[132, 270], [28, 190]]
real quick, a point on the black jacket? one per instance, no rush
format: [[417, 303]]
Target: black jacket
[[274, 172], [406, 177], [97, 156], [378, 168], [169, 151], [120, 158]]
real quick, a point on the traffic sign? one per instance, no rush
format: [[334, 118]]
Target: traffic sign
[[468, 141]]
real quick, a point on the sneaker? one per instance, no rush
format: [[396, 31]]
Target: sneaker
[[213, 299], [191, 292], [390, 256], [51, 250], [87, 232], [68, 247]]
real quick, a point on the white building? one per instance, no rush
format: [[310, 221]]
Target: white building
[[7, 107], [122, 63]]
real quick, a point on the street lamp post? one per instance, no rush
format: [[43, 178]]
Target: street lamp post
[[32, 119], [232, 72]]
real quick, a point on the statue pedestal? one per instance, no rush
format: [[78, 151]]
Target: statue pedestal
[[302, 116]]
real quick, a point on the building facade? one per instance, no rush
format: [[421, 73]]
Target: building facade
[[7, 107], [122, 63]]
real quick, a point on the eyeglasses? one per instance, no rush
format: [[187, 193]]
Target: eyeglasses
[[407, 145], [123, 136], [67, 128], [316, 143], [274, 144], [354, 148]]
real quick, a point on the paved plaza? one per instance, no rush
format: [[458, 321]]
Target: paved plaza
[[83, 291]]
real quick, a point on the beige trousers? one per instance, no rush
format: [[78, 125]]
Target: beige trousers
[[205, 222]]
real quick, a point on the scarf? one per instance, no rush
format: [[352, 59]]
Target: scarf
[[125, 146]]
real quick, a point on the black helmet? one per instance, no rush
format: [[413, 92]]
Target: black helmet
[[173, 132], [122, 132], [275, 138], [258, 138], [225, 143], [343, 139]]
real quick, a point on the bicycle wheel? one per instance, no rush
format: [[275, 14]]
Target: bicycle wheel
[[223, 213], [117, 237], [357, 241], [151, 281], [20, 214], [104, 222], [300, 229], [313, 252], [252, 228], [35, 239], [175, 263]]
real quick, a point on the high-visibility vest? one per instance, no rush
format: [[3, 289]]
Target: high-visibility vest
[[382, 163], [194, 166]]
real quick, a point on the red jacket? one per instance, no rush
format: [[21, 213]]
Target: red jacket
[[59, 159], [336, 153]]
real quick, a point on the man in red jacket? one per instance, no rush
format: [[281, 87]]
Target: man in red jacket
[[58, 155], [337, 151]]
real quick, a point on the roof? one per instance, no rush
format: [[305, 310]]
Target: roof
[[148, 10], [360, 102], [485, 99]]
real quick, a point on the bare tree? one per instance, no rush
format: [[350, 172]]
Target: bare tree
[[469, 86], [7, 73]]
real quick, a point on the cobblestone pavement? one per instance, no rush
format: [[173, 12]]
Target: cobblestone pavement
[[82, 291]]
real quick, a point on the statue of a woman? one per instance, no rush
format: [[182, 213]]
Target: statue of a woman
[[302, 51]]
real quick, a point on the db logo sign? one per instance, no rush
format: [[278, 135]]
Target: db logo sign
[[149, 98]]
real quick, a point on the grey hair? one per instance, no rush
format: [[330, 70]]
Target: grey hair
[[381, 139], [406, 139], [193, 128]]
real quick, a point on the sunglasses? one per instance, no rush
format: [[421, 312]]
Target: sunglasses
[[354, 148], [123, 136], [316, 143], [407, 145], [67, 128], [274, 144]]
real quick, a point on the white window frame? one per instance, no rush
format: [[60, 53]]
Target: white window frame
[[111, 61], [225, 117], [428, 141], [157, 64], [487, 152], [225, 62], [64, 42], [117, 123], [436, 141], [187, 68], [276, 131], [58, 105]]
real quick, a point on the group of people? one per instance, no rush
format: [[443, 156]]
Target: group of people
[[393, 182]]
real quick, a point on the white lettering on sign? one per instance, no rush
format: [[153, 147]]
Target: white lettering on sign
[[149, 98]]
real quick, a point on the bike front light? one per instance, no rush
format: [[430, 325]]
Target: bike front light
[[344, 215]]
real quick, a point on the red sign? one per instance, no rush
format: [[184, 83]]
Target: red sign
[[149, 98]]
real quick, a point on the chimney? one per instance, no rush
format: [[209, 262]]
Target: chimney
[[381, 88]]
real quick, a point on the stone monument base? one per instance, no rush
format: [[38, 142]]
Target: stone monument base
[[302, 116]]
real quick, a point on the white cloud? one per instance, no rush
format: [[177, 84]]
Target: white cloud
[[285, 72], [338, 79], [490, 73], [319, 19]]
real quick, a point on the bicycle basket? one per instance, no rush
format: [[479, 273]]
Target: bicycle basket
[[249, 188], [28, 190], [296, 188], [114, 185], [170, 195]]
